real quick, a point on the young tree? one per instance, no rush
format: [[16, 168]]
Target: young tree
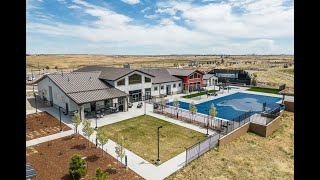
[[77, 167], [76, 121], [176, 105], [87, 129], [100, 175], [119, 149], [193, 109], [213, 112], [162, 104], [102, 138]]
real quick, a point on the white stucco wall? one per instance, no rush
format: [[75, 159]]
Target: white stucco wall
[[159, 91], [131, 87], [58, 97]]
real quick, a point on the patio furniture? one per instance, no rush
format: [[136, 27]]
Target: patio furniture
[[139, 105], [130, 104]]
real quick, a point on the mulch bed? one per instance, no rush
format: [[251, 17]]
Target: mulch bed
[[42, 124], [51, 159]]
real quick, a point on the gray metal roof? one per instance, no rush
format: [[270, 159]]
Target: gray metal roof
[[96, 95], [207, 76], [161, 75], [30, 172], [78, 81], [108, 73], [83, 87], [181, 72]]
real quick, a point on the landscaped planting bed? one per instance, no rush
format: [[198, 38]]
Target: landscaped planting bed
[[140, 137], [199, 94], [264, 90], [42, 124], [51, 159]]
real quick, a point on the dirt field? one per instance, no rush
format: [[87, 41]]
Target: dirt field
[[271, 67], [42, 124], [51, 160], [248, 157]]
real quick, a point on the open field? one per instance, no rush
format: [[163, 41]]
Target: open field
[[248, 157], [42, 124], [270, 67], [75, 61], [51, 159], [256, 89], [140, 137]]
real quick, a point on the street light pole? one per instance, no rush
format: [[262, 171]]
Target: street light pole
[[158, 160], [60, 118], [145, 108], [96, 122]]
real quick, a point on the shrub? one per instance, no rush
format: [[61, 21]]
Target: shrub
[[56, 67], [77, 167], [100, 175], [47, 67]]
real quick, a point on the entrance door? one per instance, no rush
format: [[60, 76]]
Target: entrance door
[[67, 109], [168, 89], [135, 97], [50, 96]]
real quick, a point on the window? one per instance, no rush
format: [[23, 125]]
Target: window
[[155, 88], [135, 79], [147, 79], [162, 87], [121, 82], [174, 85], [194, 75], [179, 84]]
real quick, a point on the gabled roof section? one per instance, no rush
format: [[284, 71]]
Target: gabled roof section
[[208, 76], [161, 75], [182, 72], [78, 81], [109, 73]]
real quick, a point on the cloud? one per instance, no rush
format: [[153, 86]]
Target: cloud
[[152, 16], [211, 28], [131, 1], [170, 11], [74, 7], [145, 9]]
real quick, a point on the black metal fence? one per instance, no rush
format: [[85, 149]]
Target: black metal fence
[[202, 147], [185, 115], [236, 122]]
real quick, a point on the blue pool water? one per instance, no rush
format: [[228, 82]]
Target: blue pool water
[[234, 105]]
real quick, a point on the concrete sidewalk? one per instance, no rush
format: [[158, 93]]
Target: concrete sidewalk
[[49, 138]]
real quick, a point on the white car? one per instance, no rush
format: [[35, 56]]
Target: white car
[[31, 78]]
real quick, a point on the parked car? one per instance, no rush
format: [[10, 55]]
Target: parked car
[[31, 78]]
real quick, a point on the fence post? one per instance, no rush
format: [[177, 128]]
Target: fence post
[[186, 156], [199, 149]]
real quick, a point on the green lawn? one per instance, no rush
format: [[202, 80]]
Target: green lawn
[[257, 89], [140, 137], [198, 94]]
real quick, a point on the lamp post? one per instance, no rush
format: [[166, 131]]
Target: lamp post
[[158, 160], [96, 122], [60, 118], [35, 99], [207, 110], [145, 108]]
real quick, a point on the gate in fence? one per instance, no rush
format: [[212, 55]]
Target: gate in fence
[[202, 147]]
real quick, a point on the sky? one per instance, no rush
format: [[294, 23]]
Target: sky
[[160, 27]]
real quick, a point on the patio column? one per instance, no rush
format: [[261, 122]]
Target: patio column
[[125, 103], [81, 112]]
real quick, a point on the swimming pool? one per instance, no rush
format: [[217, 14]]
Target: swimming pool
[[234, 105]]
